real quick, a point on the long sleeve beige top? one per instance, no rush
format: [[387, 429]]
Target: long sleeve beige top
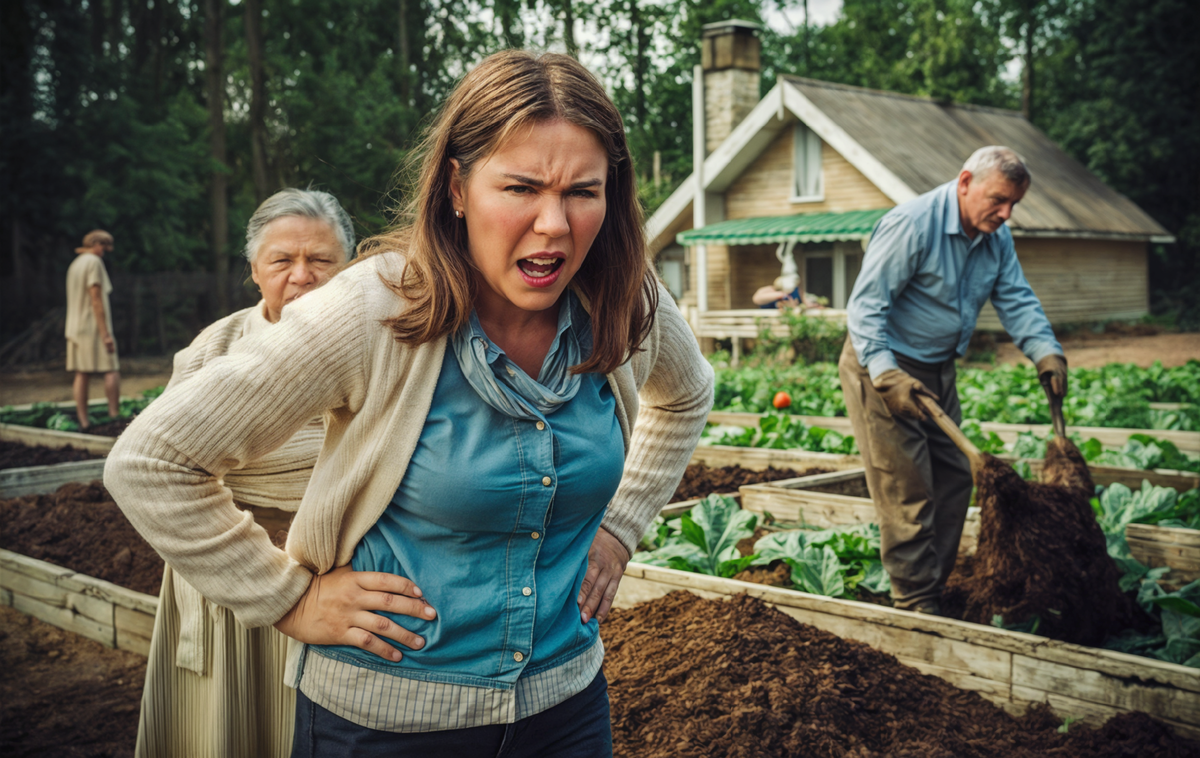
[[278, 479], [331, 354]]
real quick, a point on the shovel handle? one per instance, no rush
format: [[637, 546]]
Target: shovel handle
[[951, 429]]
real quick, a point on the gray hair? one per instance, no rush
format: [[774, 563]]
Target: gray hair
[[985, 160], [297, 202]]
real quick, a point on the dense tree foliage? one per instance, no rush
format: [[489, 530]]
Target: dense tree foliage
[[104, 114]]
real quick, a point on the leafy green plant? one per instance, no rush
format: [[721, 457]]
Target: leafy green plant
[[781, 431], [833, 562], [809, 339], [705, 541], [51, 416]]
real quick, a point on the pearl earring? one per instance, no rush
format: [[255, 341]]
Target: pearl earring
[[459, 214]]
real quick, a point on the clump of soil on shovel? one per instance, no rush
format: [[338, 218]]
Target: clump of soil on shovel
[[80, 527], [700, 480], [1042, 555], [690, 677]]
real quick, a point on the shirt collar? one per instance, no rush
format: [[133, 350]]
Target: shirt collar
[[954, 220], [493, 352]]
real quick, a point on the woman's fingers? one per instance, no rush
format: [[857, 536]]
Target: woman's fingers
[[382, 582], [398, 604], [606, 564]]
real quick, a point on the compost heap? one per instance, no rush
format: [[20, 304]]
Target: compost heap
[[1041, 556], [690, 677]]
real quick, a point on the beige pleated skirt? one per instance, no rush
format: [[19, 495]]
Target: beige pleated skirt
[[240, 707], [90, 357]]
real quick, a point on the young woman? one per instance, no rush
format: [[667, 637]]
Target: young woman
[[510, 397]]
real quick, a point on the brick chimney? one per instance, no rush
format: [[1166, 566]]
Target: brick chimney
[[729, 55]]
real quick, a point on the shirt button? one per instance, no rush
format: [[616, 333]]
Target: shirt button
[[541, 425], [518, 657], [526, 592], [535, 535], [547, 481], [510, 371]]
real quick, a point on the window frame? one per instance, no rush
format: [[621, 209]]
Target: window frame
[[804, 139]]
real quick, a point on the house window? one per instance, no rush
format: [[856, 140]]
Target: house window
[[807, 186], [672, 268]]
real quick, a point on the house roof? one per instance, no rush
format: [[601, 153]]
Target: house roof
[[799, 227], [924, 144], [907, 146]]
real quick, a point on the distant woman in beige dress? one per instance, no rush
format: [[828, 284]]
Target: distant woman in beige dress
[[214, 689], [91, 348]]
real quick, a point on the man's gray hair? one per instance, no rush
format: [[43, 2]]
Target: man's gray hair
[[298, 202], [985, 160]]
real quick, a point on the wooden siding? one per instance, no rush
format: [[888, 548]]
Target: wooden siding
[[1081, 280], [754, 267], [718, 278], [765, 188]]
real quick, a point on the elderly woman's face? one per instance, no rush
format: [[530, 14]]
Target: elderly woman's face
[[297, 255], [532, 210]]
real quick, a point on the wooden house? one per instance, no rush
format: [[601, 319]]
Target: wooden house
[[811, 166]]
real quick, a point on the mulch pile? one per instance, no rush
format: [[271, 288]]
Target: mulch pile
[[1042, 555], [701, 481], [17, 455], [64, 695], [690, 677], [80, 527]]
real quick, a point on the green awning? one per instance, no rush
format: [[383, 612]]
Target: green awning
[[801, 227]]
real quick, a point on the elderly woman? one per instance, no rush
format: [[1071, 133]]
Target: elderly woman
[[214, 687], [510, 397]]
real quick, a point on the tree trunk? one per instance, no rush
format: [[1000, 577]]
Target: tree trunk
[[116, 24], [569, 29], [258, 124], [97, 30], [404, 54], [218, 200], [804, 58], [1027, 79], [641, 43]]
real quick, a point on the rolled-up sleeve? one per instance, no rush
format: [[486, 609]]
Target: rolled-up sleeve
[[890, 261], [1019, 309]]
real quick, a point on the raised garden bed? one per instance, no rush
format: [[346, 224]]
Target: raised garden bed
[[52, 438], [1012, 669], [841, 499], [757, 459]]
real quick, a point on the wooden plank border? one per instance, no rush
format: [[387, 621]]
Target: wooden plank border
[[29, 435], [36, 480], [108, 613], [1012, 669], [759, 458]]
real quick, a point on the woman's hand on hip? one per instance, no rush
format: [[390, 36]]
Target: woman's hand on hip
[[606, 565], [340, 607]]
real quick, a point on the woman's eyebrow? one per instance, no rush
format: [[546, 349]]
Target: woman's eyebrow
[[539, 183]]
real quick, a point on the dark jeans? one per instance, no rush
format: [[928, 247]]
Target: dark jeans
[[576, 728]]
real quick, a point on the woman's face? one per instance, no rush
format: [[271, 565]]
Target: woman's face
[[297, 254], [532, 210]]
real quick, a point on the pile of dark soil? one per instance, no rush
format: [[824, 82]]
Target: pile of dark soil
[[110, 429], [690, 677], [851, 488], [17, 455], [701, 481], [65, 695], [1042, 555], [80, 527]]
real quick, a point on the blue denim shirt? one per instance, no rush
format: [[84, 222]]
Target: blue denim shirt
[[493, 521], [923, 283]]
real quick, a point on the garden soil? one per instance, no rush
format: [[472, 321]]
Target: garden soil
[[1042, 555], [64, 695], [17, 455], [80, 527], [700, 480], [690, 677]]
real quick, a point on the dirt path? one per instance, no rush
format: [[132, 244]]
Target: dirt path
[[1095, 350], [64, 695], [51, 384]]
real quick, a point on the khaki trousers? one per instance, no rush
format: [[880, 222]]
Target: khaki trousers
[[920, 482]]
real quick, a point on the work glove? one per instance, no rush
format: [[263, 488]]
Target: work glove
[[899, 391], [1056, 366]]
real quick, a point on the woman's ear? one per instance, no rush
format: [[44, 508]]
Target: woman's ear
[[456, 186]]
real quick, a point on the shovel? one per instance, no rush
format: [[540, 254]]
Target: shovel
[[1056, 401], [956, 435]]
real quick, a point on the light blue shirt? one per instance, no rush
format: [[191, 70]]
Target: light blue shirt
[[923, 283], [493, 520]]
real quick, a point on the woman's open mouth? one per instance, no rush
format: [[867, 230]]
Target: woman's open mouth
[[540, 271]]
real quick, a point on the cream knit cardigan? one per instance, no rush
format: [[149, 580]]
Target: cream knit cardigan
[[331, 354]]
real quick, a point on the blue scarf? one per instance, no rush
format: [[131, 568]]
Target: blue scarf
[[504, 386]]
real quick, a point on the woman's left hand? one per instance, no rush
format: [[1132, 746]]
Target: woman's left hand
[[606, 565]]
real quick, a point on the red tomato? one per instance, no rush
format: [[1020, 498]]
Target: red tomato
[[782, 400]]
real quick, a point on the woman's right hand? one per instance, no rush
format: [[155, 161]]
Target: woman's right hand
[[340, 607]]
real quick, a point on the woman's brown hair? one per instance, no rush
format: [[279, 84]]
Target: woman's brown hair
[[507, 91]]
